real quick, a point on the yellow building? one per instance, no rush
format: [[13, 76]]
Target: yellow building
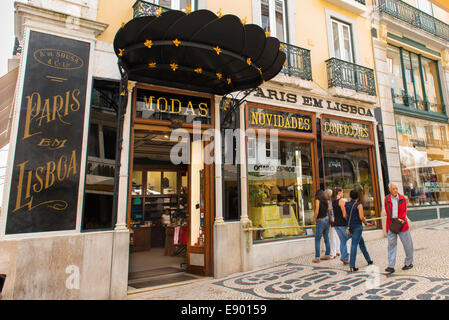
[[125, 221]]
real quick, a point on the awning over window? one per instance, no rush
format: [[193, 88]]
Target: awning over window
[[198, 51], [7, 90]]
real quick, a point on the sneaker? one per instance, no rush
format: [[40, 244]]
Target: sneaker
[[407, 267], [389, 270]]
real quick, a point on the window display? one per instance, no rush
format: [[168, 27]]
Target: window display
[[280, 179], [348, 167], [423, 151]]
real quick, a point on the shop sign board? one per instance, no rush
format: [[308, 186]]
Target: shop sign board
[[313, 102], [47, 159], [281, 120], [158, 105], [346, 129]]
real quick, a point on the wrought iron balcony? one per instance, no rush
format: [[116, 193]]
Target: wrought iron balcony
[[348, 75], [143, 8], [298, 62], [417, 18]]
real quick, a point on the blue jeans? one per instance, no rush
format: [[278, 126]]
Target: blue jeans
[[341, 231], [357, 240], [407, 243], [322, 229]]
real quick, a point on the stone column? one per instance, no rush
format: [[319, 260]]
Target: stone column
[[379, 176], [218, 169], [246, 236], [120, 240], [124, 164], [243, 176]]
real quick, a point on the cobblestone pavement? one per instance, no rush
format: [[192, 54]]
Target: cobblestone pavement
[[299, 278]]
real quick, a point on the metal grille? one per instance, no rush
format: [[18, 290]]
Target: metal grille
[[348, 75], [405, 12], [143, 8], [298, 62]]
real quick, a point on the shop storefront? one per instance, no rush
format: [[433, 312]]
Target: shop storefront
[[349, 160], [296, 145], [171, 196], [281, 171], [424, 157], [421, 124], [120, 206]]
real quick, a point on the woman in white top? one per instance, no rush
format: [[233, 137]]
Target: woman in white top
[[333, 236]]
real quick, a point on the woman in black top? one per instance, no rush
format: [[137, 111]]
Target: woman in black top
[[340, 223], [321, 220], [354, 209]]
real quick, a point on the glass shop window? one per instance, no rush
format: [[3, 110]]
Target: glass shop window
[[348, 167], [230, 164], [424, 161], [109, 141], [281, 190], [93, 147], [99, 181]]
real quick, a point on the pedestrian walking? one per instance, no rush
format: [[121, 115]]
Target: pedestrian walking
[[340, 222], [333, 237], [397, 225], [355, 211], [321, 220]]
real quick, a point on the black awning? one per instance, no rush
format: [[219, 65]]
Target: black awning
[[198, 51]]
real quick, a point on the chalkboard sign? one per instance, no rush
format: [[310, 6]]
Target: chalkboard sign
[[47, 160]]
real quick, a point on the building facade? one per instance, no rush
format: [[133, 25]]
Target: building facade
[[411, 51], [328, 119]]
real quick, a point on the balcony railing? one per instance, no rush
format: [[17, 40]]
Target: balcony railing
[[348, 75], [417, 18], [143, 8], [298, 62]]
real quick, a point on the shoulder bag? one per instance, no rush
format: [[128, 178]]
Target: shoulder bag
[[395, 225], [348, 232]]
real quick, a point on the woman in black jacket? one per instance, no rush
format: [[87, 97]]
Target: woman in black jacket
[[321, 220]]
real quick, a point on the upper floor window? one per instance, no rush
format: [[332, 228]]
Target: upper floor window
[[273, 18], [414, 80], [426, 6], [342, 40]]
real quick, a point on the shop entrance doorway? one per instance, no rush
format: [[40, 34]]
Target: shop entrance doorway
[[169, 212]]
